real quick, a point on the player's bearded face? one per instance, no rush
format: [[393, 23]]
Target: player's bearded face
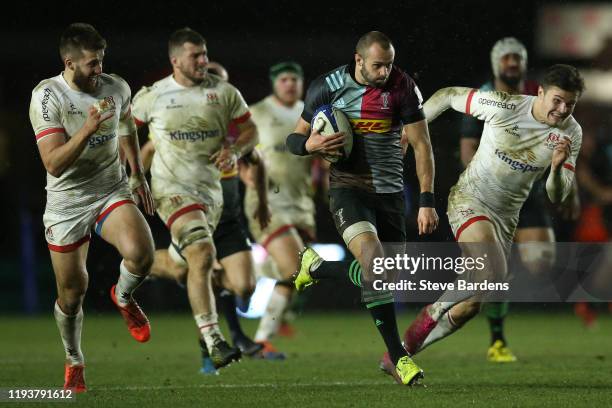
[[511, 69], [288, 87], [376, 66], [192, 61], [557, 104], [87, 70]]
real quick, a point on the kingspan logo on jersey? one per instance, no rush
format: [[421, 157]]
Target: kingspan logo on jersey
[[194, 136], [99, 140], [515, 164]]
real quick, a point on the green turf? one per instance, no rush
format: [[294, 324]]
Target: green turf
[[332, 362]]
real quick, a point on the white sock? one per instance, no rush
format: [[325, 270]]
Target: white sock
[[271, 320], [445, 327], [70, 330], [208, 323], [126, 285]]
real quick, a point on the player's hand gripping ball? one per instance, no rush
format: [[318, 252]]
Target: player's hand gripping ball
[[328, 120]]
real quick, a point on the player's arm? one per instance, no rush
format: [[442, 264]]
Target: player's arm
[[57, 153], [128, 140], [147, 151], [483, 105], [257, 178], [417, 134], [560, 181], [226, 158]]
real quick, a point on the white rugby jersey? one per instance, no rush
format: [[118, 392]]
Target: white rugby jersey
[[290, 175], [188, 125], [57, 108], [515, 149]]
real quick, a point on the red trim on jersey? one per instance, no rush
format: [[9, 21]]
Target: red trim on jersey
[[49, 131], [275, 234], [184, 210], [111, 208], [139, 123], [569, 167], [242, 119], [470, 222], [69, 247], [469, 101]]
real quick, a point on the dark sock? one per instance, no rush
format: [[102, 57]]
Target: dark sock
[[384, 319], [332, 270], [497, 329], [227, 305], [496, 312]]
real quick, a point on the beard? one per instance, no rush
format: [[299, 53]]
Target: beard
[[375, 82], [511, 80], [192, 76], [84, 81]]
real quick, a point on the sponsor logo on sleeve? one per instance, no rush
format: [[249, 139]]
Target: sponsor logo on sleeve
[[45, 101], [497, 104]]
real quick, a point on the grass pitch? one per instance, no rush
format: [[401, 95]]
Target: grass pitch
[[332, 362]]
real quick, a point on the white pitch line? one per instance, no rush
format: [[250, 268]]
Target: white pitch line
[[251, 385]]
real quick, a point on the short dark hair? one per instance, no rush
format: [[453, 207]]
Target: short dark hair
[[78, 37], [370, 38], [565, 77], [183, 35]]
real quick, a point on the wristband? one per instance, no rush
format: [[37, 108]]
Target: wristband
[[427, 199], [296, 143], [136, 181]]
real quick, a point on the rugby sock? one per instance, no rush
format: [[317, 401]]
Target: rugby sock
[[331, 269], [209, 328], [496, 312], [271, 320], [126, 285], [70, 330], [384, 319], [227, 304], [445, 327]]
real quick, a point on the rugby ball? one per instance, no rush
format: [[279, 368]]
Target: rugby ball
[[328, 120]]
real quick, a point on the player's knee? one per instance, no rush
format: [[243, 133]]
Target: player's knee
[[71, 295], [200, 256], [138, 259]]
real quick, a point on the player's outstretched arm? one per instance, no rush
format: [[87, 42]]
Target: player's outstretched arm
[[58, 154], [452, 97], [417, 134]]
